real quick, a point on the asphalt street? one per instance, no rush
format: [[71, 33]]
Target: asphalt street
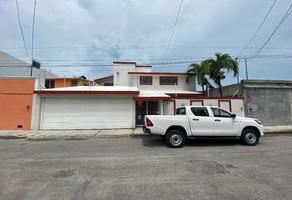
[[144, 168]]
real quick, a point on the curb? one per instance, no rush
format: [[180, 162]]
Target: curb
[[279, 133], [68, 138], [10, 136]]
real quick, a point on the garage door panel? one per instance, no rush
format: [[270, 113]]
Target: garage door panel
[[70, 119], [86, 113]]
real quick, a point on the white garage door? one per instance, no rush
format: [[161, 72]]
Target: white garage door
[[86, 113]]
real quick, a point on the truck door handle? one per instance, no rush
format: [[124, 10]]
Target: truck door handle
[[217, 120], [195, 119]]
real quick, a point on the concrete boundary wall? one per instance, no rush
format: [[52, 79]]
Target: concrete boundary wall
[[267, 100]]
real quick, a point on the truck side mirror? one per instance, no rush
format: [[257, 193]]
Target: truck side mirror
[[233, 115]]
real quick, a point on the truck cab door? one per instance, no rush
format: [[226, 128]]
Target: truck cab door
[[225, 124], [201, 122]]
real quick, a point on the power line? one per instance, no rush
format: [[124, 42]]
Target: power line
[[161, 64], [92, 62], [32, 36], [260, 26], [175, 24], [32, 32], [288, 12], [144, 47], [21, 29]]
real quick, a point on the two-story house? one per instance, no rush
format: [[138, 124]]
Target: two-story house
[[119, 101], [159, 92]]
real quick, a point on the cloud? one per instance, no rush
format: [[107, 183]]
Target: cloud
[[140, 30]]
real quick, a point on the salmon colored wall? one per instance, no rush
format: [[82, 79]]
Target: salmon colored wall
[[16, 103], [67, 82], [61, 83]]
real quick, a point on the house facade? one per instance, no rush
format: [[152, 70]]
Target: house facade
[[121, 100], [14, 67]]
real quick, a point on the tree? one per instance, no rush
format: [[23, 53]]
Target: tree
[[82, 77], [216, 68], [199, 71]]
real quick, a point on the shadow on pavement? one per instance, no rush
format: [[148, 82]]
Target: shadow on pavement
[[153, 141]]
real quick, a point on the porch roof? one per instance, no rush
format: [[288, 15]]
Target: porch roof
[[165, 94]]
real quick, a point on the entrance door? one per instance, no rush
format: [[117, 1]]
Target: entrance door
[[145, 108], [140, 112]]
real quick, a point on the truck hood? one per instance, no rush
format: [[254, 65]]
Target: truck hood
[[245, 118]]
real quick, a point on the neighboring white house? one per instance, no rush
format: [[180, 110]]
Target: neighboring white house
[[11, 66], [121, 100]]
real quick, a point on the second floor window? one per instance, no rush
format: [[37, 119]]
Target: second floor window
[[172, 80], [50, 83], [74, 83], [145, 80], [108, 84]]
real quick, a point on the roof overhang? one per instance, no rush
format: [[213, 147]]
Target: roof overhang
[[184, 95], [85, 92], [124, 62], [138, 98], [104, 78], [90, 90], [157, 73]]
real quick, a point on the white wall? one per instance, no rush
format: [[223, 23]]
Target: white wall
[[237, 107], [182, 84], [36, 112], [182, 102], [210, 102], [101, 83], [168, 108], [121, 76], [36, 104]]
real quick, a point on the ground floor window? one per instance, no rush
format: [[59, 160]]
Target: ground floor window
[[146, 108]]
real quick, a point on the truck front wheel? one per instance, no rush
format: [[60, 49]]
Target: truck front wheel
[[175, 139], [249, 137]]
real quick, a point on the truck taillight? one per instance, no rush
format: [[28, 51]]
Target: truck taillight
[[148, 122]]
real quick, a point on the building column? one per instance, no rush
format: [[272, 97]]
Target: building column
[[160, 107]]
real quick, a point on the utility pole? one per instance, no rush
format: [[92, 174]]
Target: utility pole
[[31, 67], [246, 72], [238, 71]]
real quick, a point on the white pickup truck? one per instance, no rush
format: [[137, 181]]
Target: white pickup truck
[[201, 121]]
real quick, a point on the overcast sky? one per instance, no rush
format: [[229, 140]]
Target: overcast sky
[[73, 32]]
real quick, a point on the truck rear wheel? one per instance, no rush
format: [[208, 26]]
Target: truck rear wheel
[[175, 139]]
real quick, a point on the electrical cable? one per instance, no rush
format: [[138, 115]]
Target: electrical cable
[[258, 29], [21, 29], [286, 15]]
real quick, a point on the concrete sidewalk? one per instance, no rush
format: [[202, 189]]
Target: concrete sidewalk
[[87, 134], [68, 134]]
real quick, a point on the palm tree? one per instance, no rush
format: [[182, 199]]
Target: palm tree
[[216, 68], [199, 71]]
